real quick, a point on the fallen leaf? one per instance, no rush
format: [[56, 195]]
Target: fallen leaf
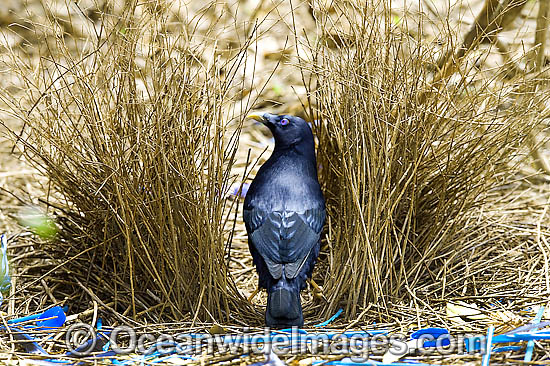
[[393, 353], [463, 313], [217, 329]]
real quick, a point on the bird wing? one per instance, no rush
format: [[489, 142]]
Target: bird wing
[[283, 238]]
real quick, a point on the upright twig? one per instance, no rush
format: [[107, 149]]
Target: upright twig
[[540, 35]]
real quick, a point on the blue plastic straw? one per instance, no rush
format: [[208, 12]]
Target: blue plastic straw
[[56, 313], [330, 320], [473, 344], [24, 319], [531, 343], [518, 337], [507, 349], [487, 355]]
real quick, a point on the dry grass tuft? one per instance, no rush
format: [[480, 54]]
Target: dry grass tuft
[[403, 162], [137, 134]]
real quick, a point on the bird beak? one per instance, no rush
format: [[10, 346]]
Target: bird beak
[[260, 117]]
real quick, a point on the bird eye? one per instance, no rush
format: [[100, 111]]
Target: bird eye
[[285, 122]]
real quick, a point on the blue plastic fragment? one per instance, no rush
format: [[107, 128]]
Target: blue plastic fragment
[[527, 332], [330, 320], [507, 349], [531, 344], [43, 320], [487, 355], [474, 343], [518, 337], [57, 316], [433, 336], [29, 344], [243, 191], [85, 348], [435, 332]]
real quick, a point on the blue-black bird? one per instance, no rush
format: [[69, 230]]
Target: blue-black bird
[[284, 213]]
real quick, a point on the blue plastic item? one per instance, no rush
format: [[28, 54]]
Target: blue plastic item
[[489, 346], [440, 335], [507, 349], [86, 348], [243, 190], [531, 343], [330, 320], [474, 344], [28, 344], [56, 314]]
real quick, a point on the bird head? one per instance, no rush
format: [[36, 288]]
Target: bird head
[[287, 130]]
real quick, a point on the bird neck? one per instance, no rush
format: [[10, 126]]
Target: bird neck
[[304, 146], [302, 153]]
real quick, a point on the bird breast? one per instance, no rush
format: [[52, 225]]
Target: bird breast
[[285, 186]]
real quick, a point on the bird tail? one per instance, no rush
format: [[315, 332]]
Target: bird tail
[[284, 308]]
